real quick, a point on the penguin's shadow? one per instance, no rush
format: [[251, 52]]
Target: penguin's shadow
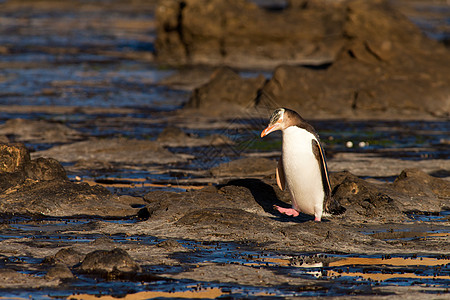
[[266, 197]]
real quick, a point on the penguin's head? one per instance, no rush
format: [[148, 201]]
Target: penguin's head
[[275, 123]]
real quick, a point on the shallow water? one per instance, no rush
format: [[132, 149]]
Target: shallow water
[[109, 65], [332, 274]]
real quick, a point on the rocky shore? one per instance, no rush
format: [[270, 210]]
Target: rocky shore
[[239, 210], [119, 192]]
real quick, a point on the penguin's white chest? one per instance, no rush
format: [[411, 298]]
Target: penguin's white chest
[[302, 171]]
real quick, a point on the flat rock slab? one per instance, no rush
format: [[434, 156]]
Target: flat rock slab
[[246, 275], [245, 167], [39, 131], [175, 137], [13, 279], [120, 151], [373, 165]]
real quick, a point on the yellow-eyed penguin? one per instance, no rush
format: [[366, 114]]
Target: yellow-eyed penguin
[[302, 166]]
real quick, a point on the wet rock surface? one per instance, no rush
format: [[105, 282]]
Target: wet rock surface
[[39, 131], [175, 137], [66, 256], [14, 279], [225, 92], [60, 271], [364, 200], [134, 182], [139, 152], [240, 210], [103, 261], [41, 187], [245, 167]]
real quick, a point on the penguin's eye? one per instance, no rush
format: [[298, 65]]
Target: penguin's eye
[[275, 116]]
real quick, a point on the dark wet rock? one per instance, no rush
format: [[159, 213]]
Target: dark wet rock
[[175, 205], [413, 190], [175, 137], [121, 151], [364, 200], [40, 131], [103, 242], [245, 167], [236, 33], [170, 244], [62, 198], [45, 169], [222, 217], [59, 271], [17, 167], [330, 235], [188, 78], [41, 187], [13, 157], [247, 275], [225, 92], [17, 280], [422, 191], [103, 261], [414, 182], [67, 256]]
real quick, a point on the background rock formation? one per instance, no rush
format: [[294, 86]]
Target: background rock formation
[[374, 62], [240, 33]]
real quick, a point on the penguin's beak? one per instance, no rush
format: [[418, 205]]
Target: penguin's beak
[[271, 128]]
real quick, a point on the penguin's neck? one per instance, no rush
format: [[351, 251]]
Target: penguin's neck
[[296, 140]]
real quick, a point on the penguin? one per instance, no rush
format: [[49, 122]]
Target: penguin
[[302, 167]]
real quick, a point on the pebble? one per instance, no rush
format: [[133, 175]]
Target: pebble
[[363, 144]]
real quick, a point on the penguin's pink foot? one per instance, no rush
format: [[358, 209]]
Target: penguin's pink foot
[[286, 211]]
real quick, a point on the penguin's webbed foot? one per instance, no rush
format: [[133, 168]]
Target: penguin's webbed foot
[[286, 211]]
